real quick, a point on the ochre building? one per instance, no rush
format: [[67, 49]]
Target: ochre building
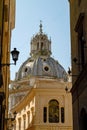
[[38, 93], [7, 22]]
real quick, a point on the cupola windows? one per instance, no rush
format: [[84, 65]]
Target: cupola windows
[[40, 44]]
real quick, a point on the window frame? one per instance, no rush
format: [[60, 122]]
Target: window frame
[[53, 111]]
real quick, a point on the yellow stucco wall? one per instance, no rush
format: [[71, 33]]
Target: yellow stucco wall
[[38, 97]]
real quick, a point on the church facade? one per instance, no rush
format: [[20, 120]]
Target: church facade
[[38, 93]]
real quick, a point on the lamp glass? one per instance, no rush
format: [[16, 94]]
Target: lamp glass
[[15, 55]]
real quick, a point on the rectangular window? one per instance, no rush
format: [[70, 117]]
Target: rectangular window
[[81, 51], [81, 41], [45, 114], [62, 114]]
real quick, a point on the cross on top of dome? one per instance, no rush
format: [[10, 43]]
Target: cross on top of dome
[[41, 31]]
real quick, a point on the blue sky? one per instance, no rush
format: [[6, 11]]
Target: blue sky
[[56, 24]]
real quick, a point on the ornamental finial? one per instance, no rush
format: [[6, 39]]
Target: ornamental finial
[[41, 27]]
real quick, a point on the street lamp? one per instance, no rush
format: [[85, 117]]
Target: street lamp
[[15, 55]]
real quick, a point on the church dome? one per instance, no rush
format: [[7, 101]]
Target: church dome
[[41, 63], [41, 67]]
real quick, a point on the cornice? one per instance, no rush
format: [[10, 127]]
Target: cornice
[[18, 90]]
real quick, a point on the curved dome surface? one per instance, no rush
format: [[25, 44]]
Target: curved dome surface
[[41, 63], [41, 67]]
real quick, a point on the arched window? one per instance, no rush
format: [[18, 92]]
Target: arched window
[[41, 45], [53, 111]]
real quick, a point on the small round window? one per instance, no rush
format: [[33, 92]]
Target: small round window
[[46, 68]]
